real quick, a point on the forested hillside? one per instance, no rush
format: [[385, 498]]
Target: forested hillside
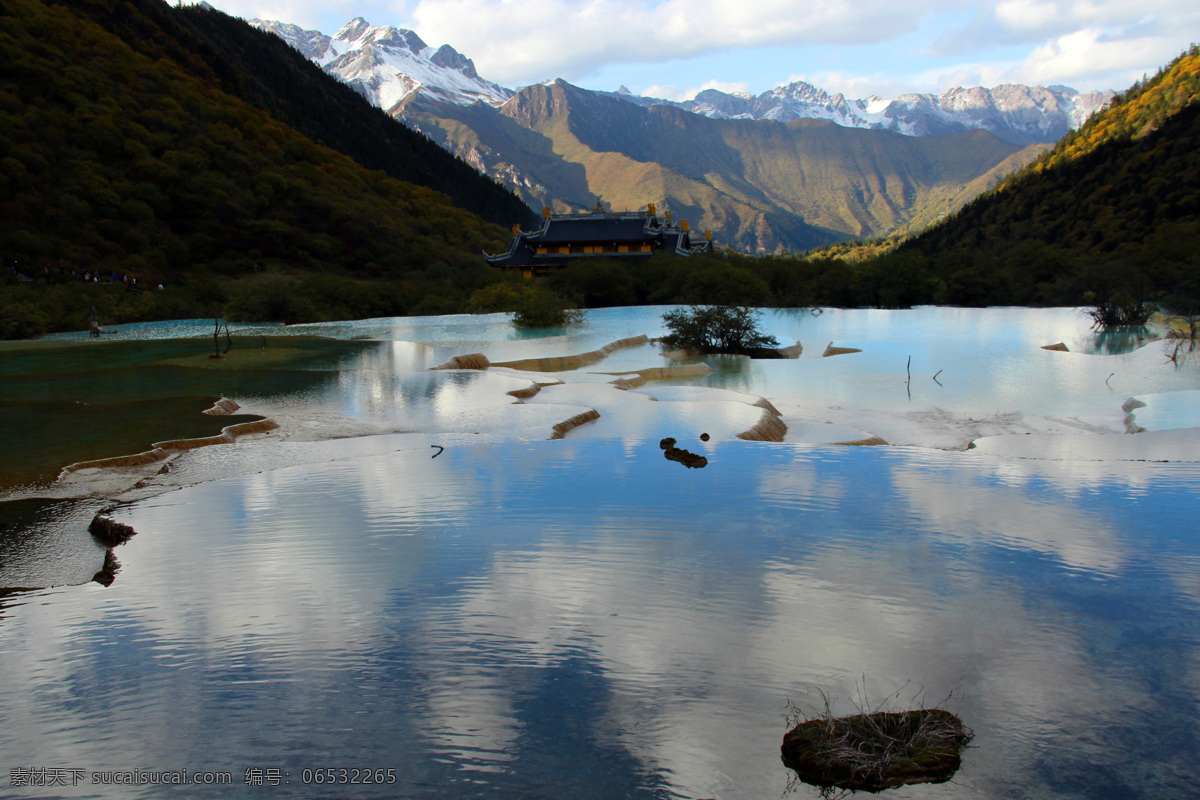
[[1112, 208], [264, 71], [125, 152]]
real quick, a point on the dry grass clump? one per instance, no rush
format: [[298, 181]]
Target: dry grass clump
[[874, 749]]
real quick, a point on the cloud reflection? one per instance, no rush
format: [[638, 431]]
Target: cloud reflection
[[507, 608]]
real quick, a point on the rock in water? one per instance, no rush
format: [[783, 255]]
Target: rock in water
[[109, 532], [881, 750]]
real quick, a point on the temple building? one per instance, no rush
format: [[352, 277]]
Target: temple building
[[565, 238]]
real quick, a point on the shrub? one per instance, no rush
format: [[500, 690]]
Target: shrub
[[1119, 310], [715, 329], [22, 320], [533, 305], [545, 309]]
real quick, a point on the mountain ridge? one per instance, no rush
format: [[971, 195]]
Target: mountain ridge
[[1016, 113], [760, 185], [627, 155]]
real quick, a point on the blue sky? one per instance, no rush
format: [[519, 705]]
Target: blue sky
[[673, 48]]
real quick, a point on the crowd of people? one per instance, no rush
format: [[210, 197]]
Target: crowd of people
[[87, 276]]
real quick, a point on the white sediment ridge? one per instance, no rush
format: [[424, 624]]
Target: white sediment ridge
[[554, 397]]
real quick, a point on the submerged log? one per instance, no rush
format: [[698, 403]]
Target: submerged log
[[135, 460], [555, 363], [881, 750], [769, 428], [222, 408]]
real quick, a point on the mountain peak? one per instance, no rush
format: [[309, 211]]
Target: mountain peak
[[446, 56], [352, 30], [400, 65], [390, 66]]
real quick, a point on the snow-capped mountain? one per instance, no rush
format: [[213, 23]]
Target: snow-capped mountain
[[1018, 114], [390, 66]]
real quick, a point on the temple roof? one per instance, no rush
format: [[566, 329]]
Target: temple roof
[[596, 228], [605, 229]]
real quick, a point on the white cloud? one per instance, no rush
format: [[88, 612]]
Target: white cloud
[[514, 42], [1084, 52], [1084, 59], [1027, 14], [738, 87], [859, 49], [669, 92]]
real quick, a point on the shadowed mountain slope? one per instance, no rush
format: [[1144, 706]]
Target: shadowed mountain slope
[[760, 185], [262, 70], [125, 147]]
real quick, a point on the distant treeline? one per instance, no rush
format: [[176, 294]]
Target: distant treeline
[[899, 279]]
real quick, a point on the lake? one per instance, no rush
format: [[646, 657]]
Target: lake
[[407, 580]]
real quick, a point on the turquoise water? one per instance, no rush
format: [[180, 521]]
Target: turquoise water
[[955, 359], [583, 618]]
